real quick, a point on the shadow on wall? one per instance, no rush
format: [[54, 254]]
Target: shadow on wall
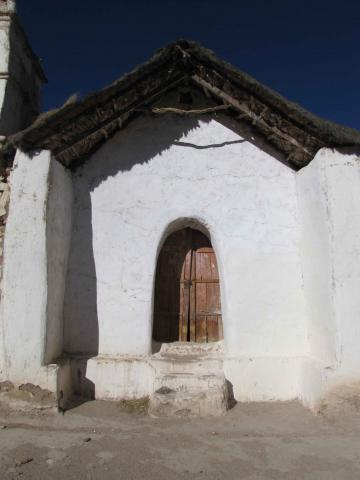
[[83, 387], [81, 326]]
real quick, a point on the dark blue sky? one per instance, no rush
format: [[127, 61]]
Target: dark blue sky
[[308, 51]]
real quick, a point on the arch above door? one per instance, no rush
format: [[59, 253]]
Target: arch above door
[[187, 304]]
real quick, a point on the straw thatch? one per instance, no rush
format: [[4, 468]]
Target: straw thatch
[[77, 129]]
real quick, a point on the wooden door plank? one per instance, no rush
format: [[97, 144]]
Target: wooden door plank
[[201, 328], [192, 305], [185, 296], [208, 304], [213, 298], [168, 298], [212, 328], [201, 311]]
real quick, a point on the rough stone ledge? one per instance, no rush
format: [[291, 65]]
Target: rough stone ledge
[[27, 398], [342, 399]]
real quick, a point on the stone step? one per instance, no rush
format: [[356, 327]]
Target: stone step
[[187, 364], [190, 402], [188, 382], [192, 348]]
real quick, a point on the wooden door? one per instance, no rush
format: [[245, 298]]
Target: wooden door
[[187, 290]]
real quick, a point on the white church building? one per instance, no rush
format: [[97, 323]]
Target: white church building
[[185, 234]]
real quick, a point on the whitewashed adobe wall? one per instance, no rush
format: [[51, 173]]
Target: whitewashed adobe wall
[[20, 82], [329, 199], [35, 261], [287, 245], [152, 174]]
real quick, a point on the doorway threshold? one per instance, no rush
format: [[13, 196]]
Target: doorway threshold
[[191, 349]]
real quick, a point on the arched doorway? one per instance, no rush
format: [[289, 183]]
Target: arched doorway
[[187, 303]]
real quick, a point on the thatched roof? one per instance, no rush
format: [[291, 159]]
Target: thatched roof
[[77, 129]]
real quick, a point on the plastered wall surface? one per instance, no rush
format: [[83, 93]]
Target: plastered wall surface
[[316, 256], [24, 277], [58, 234], [36, 241], [159, 171], [329, 199], [341, 172], [81, 250]]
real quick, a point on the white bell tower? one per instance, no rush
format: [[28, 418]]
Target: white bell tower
[[21, 74]]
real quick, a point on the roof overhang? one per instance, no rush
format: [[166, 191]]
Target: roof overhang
[[76, 130]]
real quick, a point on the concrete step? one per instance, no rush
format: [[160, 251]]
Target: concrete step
[[186, 364], [187, 382], [166, 402], [192, 349]]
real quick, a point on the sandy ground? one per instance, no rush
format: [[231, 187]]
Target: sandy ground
[[100, 440]]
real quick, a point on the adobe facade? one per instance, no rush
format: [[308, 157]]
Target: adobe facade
[[92, 203]]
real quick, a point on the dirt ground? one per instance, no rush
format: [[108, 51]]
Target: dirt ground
[[102, 440]]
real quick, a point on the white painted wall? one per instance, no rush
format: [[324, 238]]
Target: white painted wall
[[153, 173], [58, 235], [287, 245], [329, 199], [343, 180], [316, 254], [34, 244], [291, 326]]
